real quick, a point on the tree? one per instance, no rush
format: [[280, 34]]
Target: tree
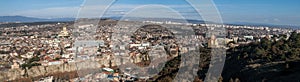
[[35, 58], [260, 52], [294, 40], [265, 44]]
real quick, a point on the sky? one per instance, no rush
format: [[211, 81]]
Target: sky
[[281, 12]]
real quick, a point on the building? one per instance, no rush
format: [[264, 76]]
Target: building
[[173, 50], [249, 37], [64, 33], [16, 65], [212, 42]]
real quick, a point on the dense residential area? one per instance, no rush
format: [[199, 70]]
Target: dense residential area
[[63, 51], [149, 41]]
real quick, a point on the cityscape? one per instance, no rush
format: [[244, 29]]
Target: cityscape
[[140, 49]]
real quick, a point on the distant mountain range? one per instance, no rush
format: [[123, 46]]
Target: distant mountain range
[[12, 19], [202, 22], [264, 25], [24, 19], [160, 19]]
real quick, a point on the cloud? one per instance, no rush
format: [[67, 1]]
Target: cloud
[[153, 11], [86, 11], [276, 20], [56, 12], [90, 11]]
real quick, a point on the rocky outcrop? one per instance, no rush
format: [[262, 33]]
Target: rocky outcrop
[[36, 71], [11, 74]]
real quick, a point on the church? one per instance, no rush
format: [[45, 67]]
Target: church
[[64, 33]]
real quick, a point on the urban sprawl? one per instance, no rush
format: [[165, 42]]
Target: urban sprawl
[[26, 46]]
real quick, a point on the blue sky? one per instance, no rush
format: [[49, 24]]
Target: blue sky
[[284, 12]]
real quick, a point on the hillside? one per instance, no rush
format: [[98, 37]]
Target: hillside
[[268, 60]]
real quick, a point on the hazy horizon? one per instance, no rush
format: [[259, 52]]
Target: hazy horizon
[[277, 12]]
